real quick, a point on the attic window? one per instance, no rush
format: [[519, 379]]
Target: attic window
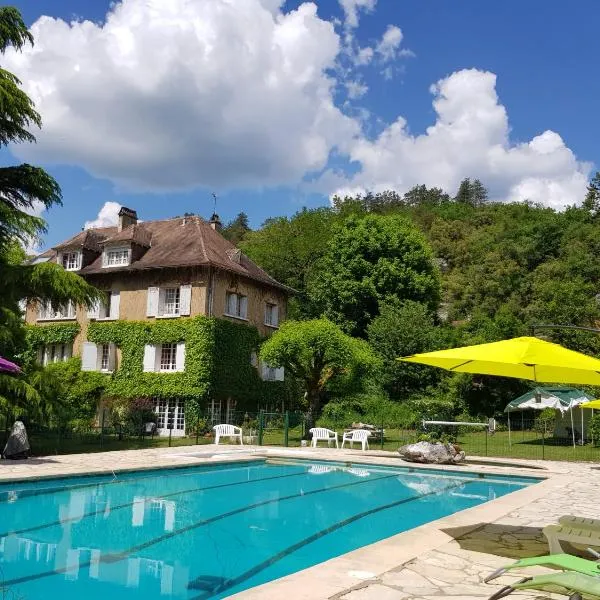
[[116, 257], [70, 260]]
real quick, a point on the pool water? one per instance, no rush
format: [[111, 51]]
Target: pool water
[[211, 531]]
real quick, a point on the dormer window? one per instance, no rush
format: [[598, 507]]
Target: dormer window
[[71, 261], [116, 257]]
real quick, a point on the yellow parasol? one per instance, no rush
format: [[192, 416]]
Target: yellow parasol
[[522, 358]]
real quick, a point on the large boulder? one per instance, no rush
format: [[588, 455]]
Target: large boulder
[[432, 452]]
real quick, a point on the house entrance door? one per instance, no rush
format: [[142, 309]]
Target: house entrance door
[[170, 414]]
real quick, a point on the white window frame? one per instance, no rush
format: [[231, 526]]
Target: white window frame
[[163, 365], [104, 357], [170, 307], [272, 315], [72, 259], [236, 306], [54, 353], [65, 312], [121, 257]]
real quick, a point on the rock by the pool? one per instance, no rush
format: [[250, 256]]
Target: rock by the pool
[[430, 452]]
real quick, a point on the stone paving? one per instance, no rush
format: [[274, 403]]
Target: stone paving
[[445, 559], [457, 569]]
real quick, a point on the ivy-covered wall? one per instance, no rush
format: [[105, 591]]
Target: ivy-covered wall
[[41, 335], [217, 362]]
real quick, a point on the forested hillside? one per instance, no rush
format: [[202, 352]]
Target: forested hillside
[[470, 271]]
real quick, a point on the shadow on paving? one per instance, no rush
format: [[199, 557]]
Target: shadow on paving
[[509, 541]]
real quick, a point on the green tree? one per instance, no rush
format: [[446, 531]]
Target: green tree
[[470, 192], [22, 188], [404, 329], [289, 248], [422, 195], [318, 354], [236, 230], [591, 202], [371, 260]]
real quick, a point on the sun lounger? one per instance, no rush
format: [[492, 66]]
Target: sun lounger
[[565, 562], [555, 534], [583, 522], [575, 585]]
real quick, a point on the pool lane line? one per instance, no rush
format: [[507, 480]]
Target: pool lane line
[[310, 539], [128, 504], [117, 557], [41, 492]]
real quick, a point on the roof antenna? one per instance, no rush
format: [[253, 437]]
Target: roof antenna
[[214, 203]]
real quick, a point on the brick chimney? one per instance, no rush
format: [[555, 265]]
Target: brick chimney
[[127, 217], [215, 222]]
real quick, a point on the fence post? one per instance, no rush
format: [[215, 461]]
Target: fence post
[[260, 427], [102, 429], [543, 442], [286, 425], [487, 431], [197, 429], [170, 434], [382, 431]]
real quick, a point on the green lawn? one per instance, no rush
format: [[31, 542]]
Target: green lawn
[[527, 444]]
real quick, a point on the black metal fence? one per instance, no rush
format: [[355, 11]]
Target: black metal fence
[[526, 438]]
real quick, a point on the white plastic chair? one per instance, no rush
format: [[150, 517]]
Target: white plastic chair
[[320, 434], [357, 435], [227, 431]]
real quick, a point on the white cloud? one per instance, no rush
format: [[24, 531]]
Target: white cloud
[[470, 138], [356, 89], [173, 95], [363, 56], [108, 216], [390, 43], [352, 8]]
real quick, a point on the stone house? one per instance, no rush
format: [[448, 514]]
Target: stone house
[[156, 271]]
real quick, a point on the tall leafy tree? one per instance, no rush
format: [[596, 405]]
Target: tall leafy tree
[[371, 260], [236, 230], [318, 354], [23, 188], [591, 202]]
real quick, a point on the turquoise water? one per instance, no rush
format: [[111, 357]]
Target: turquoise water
[[208, 532]]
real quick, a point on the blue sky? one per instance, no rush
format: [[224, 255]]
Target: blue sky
[[543, 54]]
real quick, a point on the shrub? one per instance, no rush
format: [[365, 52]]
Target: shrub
[[594, 429], [544, 422]]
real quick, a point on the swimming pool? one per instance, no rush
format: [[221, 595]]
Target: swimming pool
[[211, 531]]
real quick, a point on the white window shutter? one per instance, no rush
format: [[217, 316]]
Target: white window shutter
[[161, 301], [264, 371], [68, 351], [279, 374], [244, 307], [112, 357], [275, 320], [115, 301], [89, 357], [185, 299], [149, 358], [180, 357], [152, 306], [94, 311], [230, 304]]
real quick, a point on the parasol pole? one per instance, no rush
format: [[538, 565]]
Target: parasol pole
[[572, 426], [582, 432], [509, 442]]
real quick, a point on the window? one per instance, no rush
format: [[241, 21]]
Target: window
[[108, 309], [105, 357], [98, 357], [70, 260], [172, 302], [170, 414], [53, 353], [236, 305], [168, 357], [269, 373], [271, 315], [116, 257], [63, 311]]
